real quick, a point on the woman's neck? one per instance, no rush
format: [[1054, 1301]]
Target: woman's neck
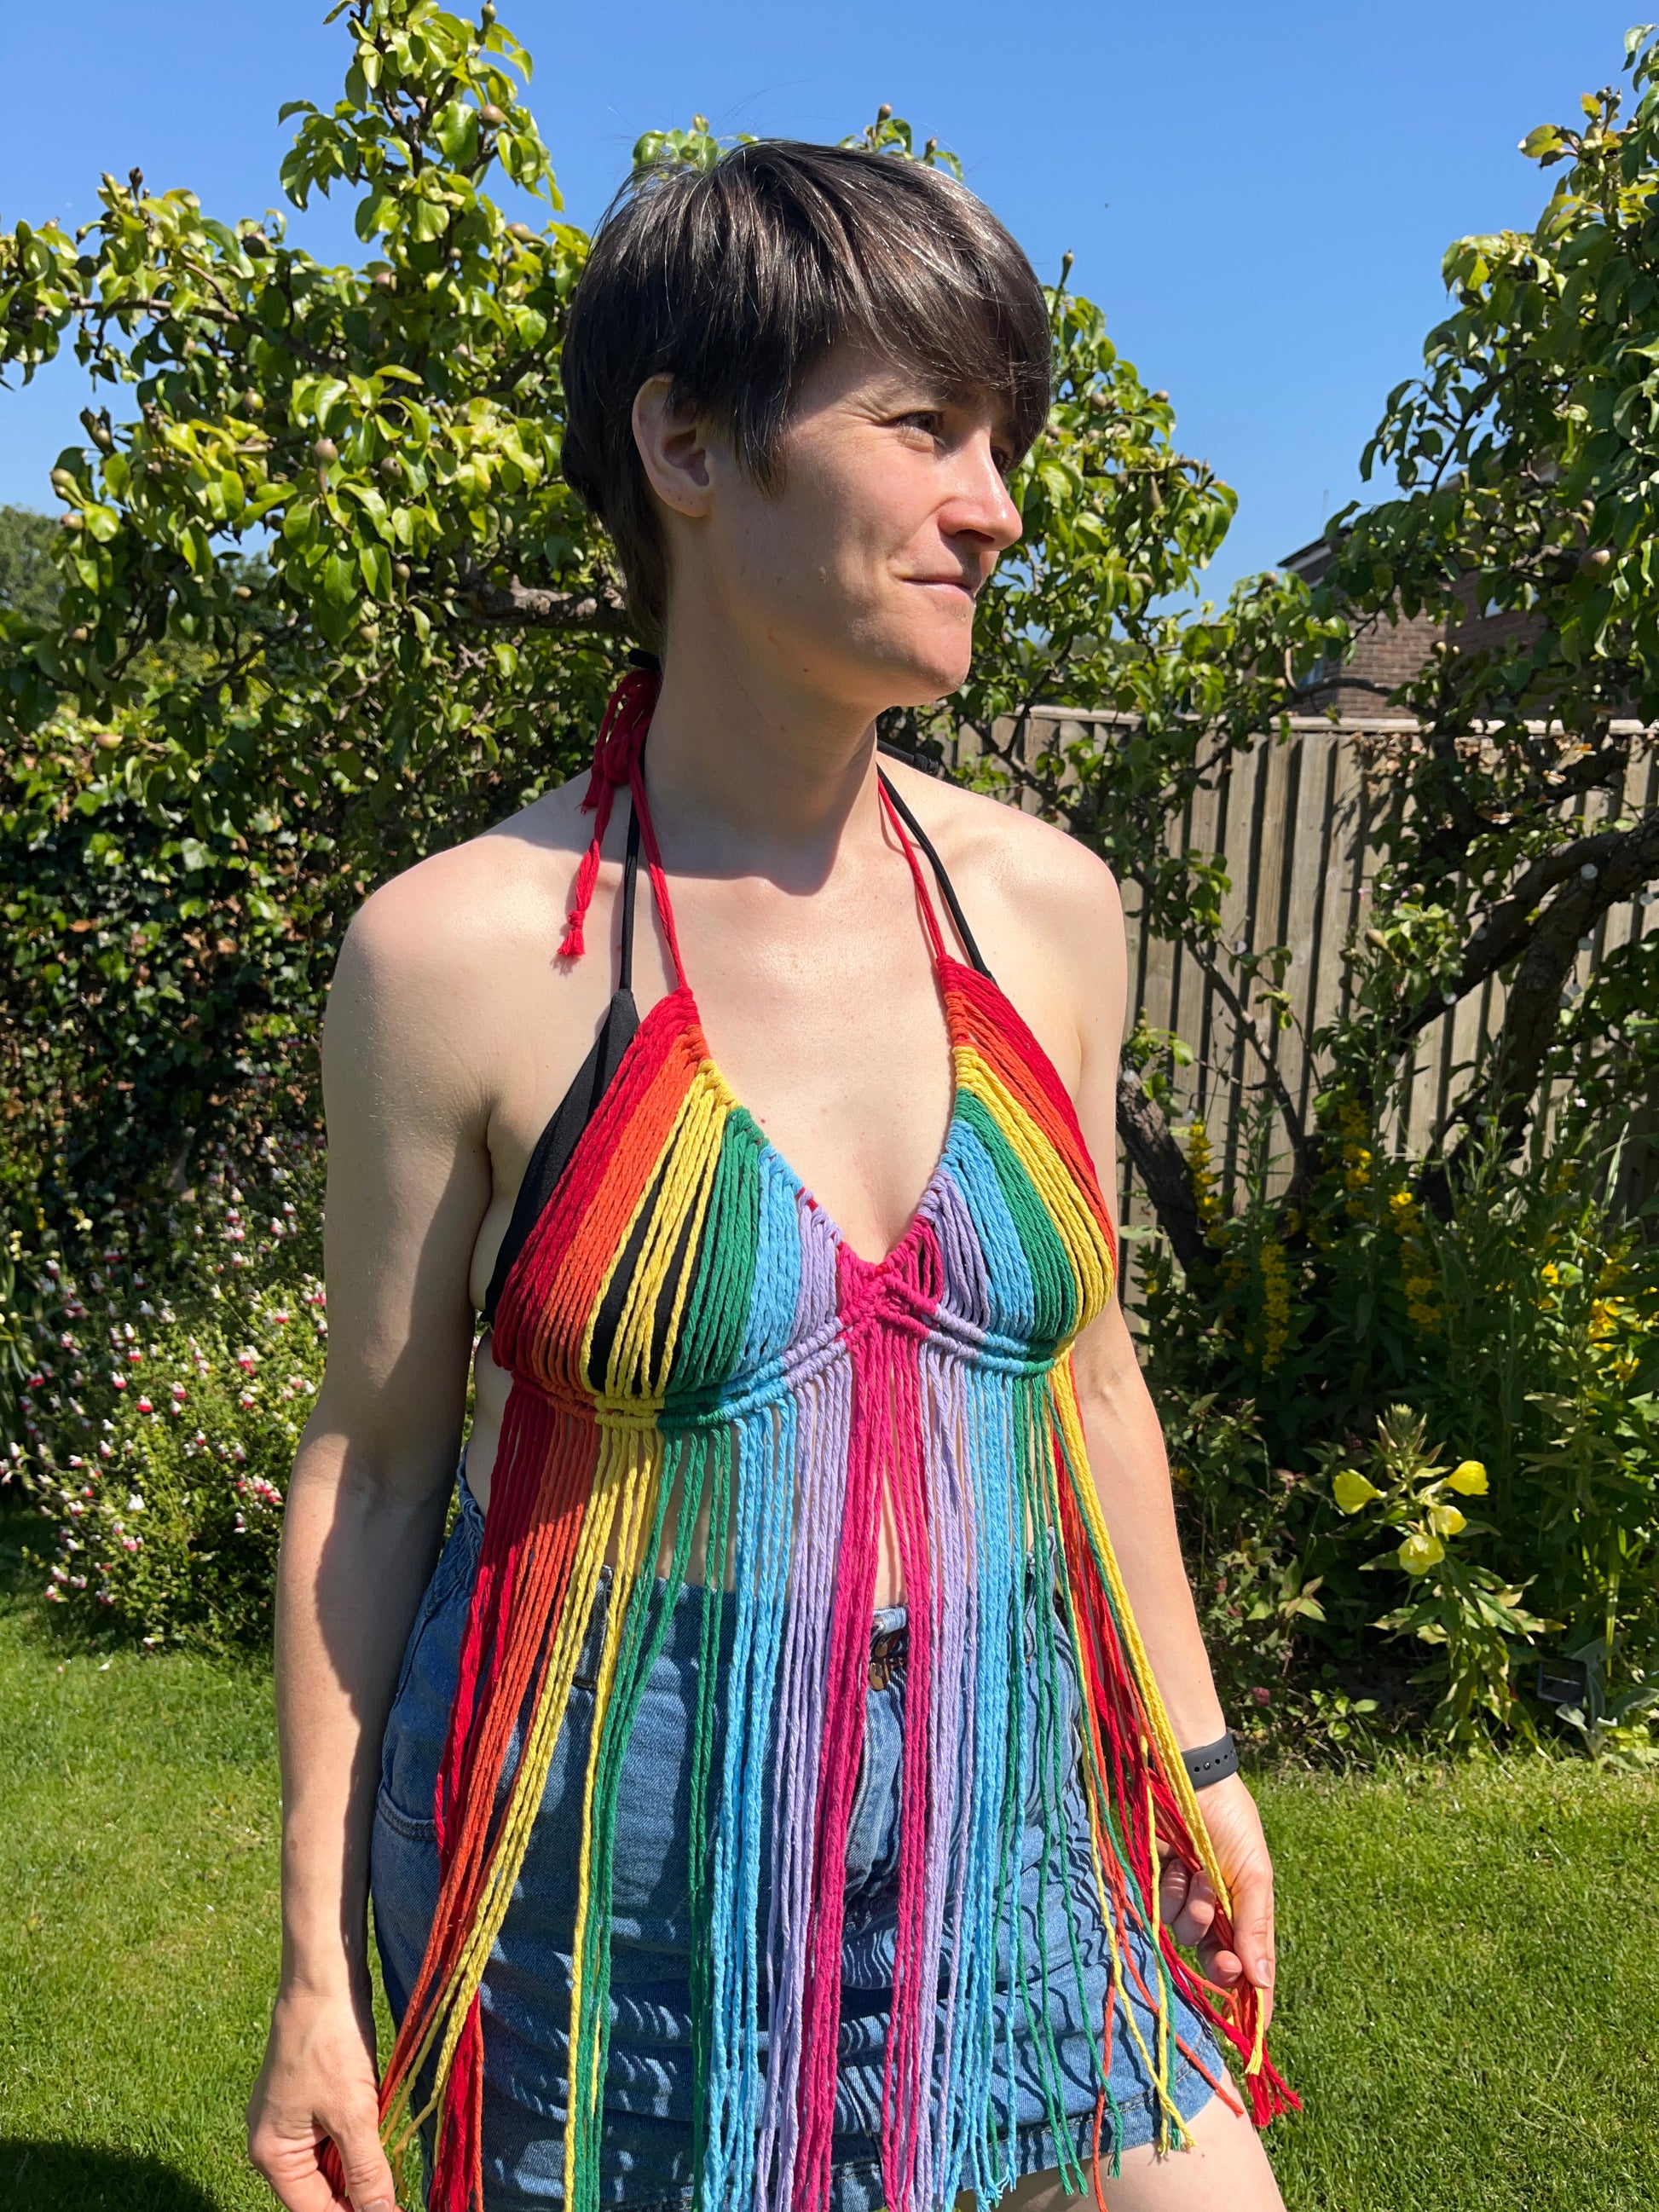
[[752, 774]]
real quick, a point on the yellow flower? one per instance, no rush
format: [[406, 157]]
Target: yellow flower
[[1276, 1303], [1550, 1272], [1605, 1317], [1198, 1160], [1446, 1520], [1468, 1479], [1420, 1551], [1350, 1490]]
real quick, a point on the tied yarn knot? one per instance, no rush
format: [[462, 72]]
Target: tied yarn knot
[[616, 762]]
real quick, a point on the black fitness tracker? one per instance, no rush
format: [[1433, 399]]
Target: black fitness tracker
[[1212, 1762]]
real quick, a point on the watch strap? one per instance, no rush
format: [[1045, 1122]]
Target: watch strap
[[1212, 1762]]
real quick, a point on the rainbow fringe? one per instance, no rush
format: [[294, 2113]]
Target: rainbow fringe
[[686, 1323]]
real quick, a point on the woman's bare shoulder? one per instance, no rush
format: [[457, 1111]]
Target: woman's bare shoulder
[[473, 901], [1011, 865], [433, 960]]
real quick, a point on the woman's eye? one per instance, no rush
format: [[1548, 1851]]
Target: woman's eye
[[927, 420]]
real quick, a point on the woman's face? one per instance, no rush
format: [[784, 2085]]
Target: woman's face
[[854, 575]]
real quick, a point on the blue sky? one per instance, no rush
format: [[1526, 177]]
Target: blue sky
[[1258, 195]]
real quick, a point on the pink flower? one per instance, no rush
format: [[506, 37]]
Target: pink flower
[[144, 1405], [1263, 1697]]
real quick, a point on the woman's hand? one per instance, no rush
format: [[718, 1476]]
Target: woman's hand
[[1187, 1901], [318, 2084]]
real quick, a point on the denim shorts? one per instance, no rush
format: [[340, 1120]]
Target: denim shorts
[[647, 2137]]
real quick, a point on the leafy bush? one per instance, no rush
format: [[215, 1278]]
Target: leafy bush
[[1468, 1615], [159, 1442], [1359, 1329]]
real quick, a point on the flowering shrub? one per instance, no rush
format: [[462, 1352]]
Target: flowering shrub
[[1472, 1620], [158, 1441], [1517, 1318]]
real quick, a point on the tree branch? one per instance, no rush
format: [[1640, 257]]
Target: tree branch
[[1629, 857], [1295, 1128], [1163, 1168], [1532, 1012], [513, 605]]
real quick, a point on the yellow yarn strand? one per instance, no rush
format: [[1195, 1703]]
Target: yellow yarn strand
[[1064, 1386], [617, 1462], [689, 1151], [1101, 1839], [636, 1524], [1051, 1178]]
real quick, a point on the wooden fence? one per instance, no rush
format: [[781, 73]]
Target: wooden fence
[[1294, 821]]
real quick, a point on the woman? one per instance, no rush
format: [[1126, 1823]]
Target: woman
[[766, 1806]]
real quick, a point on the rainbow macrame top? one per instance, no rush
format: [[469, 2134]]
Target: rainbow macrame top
[[686, 1327]]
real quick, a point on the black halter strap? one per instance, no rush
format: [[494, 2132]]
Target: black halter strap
[[558, 1141], [947, 889]]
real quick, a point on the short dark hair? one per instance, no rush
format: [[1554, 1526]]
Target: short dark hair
[[735, 280]]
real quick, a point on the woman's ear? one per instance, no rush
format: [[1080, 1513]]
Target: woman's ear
[[674, 447]]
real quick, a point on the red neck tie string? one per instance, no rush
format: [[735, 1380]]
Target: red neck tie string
[[618, 760]]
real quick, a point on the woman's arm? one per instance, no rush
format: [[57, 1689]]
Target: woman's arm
[[407, 1186], [1132, 1475]]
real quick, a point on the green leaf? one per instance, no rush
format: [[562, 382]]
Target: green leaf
[[455, 129]]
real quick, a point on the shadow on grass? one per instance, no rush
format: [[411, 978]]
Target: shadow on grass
[[38, 2176]]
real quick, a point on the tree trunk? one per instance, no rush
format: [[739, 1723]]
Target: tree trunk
[[1162, 1166]]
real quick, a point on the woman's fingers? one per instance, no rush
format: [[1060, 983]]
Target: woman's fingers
[[1253, 1921], [1249, 1954], [1187, 1901], [367, 2175], [292, 2165]]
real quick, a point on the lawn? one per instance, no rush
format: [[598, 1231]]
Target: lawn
[[1466, 1998]]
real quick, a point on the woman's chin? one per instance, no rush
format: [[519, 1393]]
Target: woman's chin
[[919, 676]]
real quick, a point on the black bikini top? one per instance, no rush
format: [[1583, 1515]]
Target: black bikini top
[[618, 1031]]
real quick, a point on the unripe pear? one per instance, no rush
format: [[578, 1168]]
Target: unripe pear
[[1593, 561], [72, 521], [62, 480], [79, 634], [325, 450], [385, 279], [493, 116]]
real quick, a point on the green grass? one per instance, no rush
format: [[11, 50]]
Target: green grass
[[1467, 1999], [1466, 1996]]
